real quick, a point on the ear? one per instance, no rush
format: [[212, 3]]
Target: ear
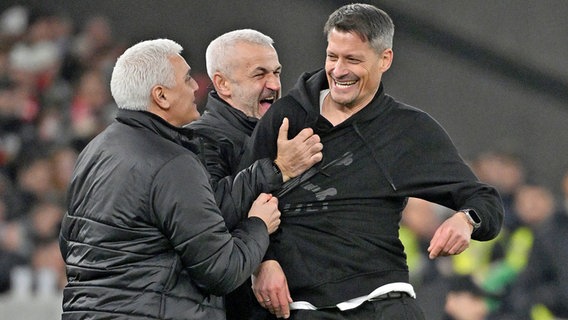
[[159, 97], [221, 84], [386, 59]]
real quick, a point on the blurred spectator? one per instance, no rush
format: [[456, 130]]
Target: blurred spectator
[[63, 160], [12, 244], [489, 283], [420, 219], [31, 241], [95, 47], [541, 290], [465, 300], [11, 125], [92, 108], [43, 222], [35, 58], [94, 38], [12, 253], [34, 179], [506, 172], [49, 268]]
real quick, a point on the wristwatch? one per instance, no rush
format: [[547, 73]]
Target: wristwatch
[[472, 217]]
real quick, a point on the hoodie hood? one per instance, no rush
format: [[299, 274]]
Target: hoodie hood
[[307, 89]]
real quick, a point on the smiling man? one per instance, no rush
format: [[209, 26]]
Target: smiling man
[[245, 72], [338, 254]]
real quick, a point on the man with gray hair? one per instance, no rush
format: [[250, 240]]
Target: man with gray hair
[[143, 237], [245, 72]]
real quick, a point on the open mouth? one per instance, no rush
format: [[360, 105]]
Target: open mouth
[[344, 84], [268, 100], [266, 103]]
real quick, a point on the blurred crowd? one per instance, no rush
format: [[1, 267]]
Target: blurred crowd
[[55, 97], [519, 275]]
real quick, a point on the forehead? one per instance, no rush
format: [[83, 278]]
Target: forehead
[[179, 64], [347, 42], [251, 56]]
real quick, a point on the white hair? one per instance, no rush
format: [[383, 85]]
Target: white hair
[[141, 67], [220, 48]]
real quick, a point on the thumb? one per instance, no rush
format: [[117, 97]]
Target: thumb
[[283, 131]]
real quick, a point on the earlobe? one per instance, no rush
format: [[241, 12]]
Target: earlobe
[[386, 60]]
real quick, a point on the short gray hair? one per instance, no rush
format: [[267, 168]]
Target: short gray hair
[[220, 48], [141, 67], [369, 22]]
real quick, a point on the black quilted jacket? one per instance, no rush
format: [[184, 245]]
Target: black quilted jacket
[[143, 237]]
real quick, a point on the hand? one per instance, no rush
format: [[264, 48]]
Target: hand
[[271, 289], [452, 237], [299, 154], [266, 208]]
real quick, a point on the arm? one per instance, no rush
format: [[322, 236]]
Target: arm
[[186, 213], [424, 163], [234, 194]]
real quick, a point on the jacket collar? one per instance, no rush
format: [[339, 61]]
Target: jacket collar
[[219, 108], [149, 121]]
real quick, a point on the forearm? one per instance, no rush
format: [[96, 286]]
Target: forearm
[[235, 195]]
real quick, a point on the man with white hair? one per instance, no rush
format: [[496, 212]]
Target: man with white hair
[[245, 72], [143, 237]]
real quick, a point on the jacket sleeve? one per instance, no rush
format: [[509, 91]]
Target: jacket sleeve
[[426, 164], [235, 191], [186, 213], [235, 194]]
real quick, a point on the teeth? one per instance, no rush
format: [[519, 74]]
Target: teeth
[[345, 84]]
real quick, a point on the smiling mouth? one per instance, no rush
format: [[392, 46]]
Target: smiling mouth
[[269, 100], [344, 83], [265, 104]]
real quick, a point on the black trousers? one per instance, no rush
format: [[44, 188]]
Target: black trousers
[[404, 308]]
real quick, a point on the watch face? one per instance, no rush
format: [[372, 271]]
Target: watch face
[[474, 216]]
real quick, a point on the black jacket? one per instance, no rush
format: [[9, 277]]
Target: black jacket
[[223, 133], [143, 237], [339, 233]]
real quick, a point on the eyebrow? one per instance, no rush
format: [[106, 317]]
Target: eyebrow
[[265, 70]]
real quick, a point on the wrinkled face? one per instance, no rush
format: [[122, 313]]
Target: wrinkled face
[[181, 97], [353, 69], [254, 80]]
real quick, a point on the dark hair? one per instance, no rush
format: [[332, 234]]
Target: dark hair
[[369, 22]]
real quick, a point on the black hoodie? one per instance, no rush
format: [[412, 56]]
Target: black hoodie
[[339, 233]]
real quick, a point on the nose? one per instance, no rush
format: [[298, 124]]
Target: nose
[[340, 68], [273, 82], [194, 84]]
